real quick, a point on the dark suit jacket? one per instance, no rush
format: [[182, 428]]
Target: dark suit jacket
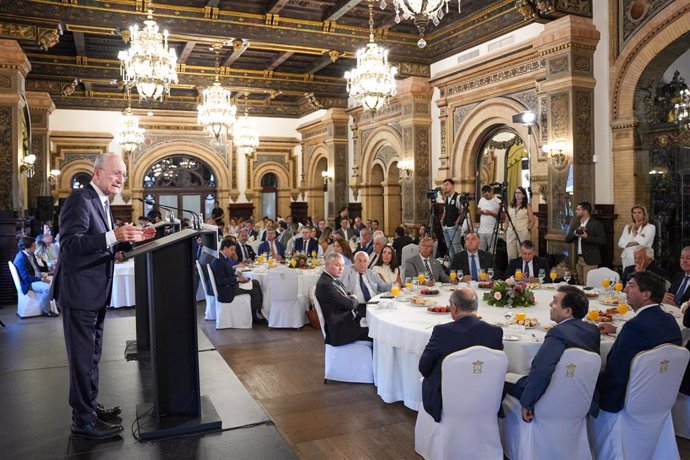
[[648, 329], [538, 263], [342, 327], [345, 234], [399, 242], [368, 248], [313, 245], [264, 248], [84, 274], [675, 285], [250, 251], [652, 267], [226, 282], [461, 262], [574, 333], [591, 245], [446, 339], [26, 271]]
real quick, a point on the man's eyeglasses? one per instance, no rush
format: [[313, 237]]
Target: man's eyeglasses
[[118, 174]]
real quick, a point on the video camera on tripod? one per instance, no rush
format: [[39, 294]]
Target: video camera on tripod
[[502, 187], [433, 193]]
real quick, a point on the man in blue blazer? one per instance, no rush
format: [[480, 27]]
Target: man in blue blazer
[[89, 244], [366, 242], [568, 307], [226, 279], [271, 246], [679, 292], [465, 331], [361, 281], [529, 264], [650, 327], [305, 243], [30, 274]]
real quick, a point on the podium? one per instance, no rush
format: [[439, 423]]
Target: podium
[[166, 319]]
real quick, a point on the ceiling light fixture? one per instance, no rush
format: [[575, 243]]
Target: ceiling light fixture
[[373, 80], [246, 138], [421, 12], [216, 113], [129, 135], [149, 64]]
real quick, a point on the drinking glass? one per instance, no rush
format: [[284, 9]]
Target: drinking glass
[[314, 254], [421, 278], [605, 283], [622, 308], [508, 314], [566, 276], [408, 282], [482, 274], [461, 275], [490, 272], [553, 275], [518, 274], [541, 275], [395, 290], [453, 276]]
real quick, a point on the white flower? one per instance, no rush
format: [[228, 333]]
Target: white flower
[[497, 296]]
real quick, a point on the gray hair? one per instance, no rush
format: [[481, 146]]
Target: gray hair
[[362, 253], [464, 299], [649, 252], [332, 256], [685, 249], [103, 158], [380, 238]]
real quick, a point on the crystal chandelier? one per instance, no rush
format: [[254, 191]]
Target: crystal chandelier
[[373, 80], [149, 64], [682, 109], [246, 137], [421, 11], [129, 135], [216, 113]]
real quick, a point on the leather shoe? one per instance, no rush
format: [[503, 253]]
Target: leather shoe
[[98, 430], [51, 314], [107, 413]]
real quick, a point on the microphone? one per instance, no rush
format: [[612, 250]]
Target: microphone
[[196, 219]]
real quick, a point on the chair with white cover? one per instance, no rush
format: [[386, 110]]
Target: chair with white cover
[[643, 428], [352, 362], [210, 313], [236, 314], [255, 245], [681, 416], [594, 277], [28, 304], [471, 387], [559, 428], [408, 251], [288, 307]]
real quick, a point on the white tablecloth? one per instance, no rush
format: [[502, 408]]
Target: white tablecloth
[[306, 280], [401, 334], [123, 294]]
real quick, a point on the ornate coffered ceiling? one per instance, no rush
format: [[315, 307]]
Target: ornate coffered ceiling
[[289, 55]]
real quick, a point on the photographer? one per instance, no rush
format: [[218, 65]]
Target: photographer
[[588, 234], [487, 208], [453, 213]]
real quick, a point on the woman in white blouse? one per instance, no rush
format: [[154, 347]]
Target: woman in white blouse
[[639, 233], [387, 267]]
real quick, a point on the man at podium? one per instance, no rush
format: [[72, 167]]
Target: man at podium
[[89, 244]]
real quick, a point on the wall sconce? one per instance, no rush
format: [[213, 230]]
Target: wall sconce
[[327, 177], [53, 176], [406, 168], [27, 165], [558, 154]]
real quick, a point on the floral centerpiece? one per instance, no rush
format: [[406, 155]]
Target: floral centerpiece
[[299, 260], [508, 294]]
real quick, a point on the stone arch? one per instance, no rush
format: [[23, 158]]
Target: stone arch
[[313, 189], [68, 171], [374, 151], [283, 190]]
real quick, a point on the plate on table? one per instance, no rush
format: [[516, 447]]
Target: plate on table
[[429, 292], [529, 323], [511, 337], [610, 300], [438, 310], [420, 302]]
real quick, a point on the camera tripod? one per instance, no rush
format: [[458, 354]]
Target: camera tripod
[[499, 219], [434, 227]]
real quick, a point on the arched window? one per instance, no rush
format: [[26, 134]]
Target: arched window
[[80, 179], [269, 188]]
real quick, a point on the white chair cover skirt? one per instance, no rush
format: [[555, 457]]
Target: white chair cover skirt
[[288, 305], [27, 304], [123, 293], [681, 416], [236, 314], [210, 312]]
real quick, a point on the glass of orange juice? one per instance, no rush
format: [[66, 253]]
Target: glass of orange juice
[[618, 286], [622, 308], [593, 315], [482, 275], [408, 282], [553, 275], [605, 283], [453, 275], [520, 316], [518, 274], [421, 278], [314, 254], [395, 290]]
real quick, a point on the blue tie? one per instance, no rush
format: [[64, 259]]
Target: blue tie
[[365, 290], [681, 289], [526, 270], [473, 268]]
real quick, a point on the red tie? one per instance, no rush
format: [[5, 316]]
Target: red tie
[[273, 250]]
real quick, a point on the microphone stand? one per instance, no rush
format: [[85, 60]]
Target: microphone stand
[[196, 218]]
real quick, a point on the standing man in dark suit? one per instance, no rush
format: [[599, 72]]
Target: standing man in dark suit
[[528, 263], [472, 260], [226, 279], [32, 275], [245, 252], [588, 234], [679, 292], [340, 309], [650, 327], [568, 307], [465, 331], [82, 286]]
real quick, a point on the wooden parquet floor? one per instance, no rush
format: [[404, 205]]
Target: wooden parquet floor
[[283, 370]]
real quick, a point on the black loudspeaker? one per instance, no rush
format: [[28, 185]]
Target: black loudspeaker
[[44, 208]]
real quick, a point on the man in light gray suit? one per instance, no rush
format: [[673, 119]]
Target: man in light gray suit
[[425, 264], [361, 281]]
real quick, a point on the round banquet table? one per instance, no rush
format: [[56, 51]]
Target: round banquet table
[[123, 293], [401, 333], [306, 279]]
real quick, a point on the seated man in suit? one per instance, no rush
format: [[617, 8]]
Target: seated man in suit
[[227, 281], [306, 243], [643, 261], [568, 307], [466, 330], [679, 293], [245, 252], [345, 231], [425, 264], [529, 264], [284, 234], [32, 275], [340, 309], [650, 327], [380, 241], [272, 247], [362, 281], [472, 260], [366, 241]]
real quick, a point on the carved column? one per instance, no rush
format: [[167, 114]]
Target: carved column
[[567, 47], [40, 108], [14, 66]]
